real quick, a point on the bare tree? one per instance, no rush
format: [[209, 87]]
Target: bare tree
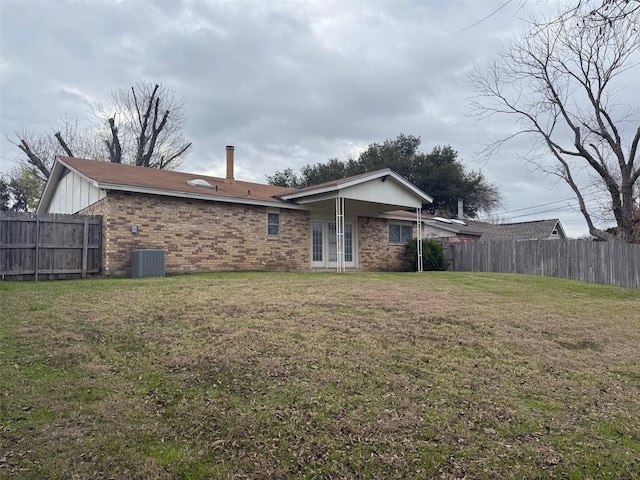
[[41, 148], [597, 13], [562, 84], [142, 126], [149, 120]]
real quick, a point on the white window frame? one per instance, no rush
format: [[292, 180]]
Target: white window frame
[[401, 227], [274, 211], [326, 262]]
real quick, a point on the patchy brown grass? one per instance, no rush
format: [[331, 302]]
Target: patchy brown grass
[[439, 375]]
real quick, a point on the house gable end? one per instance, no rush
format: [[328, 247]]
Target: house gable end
[[73, 193], [382, 190], [383, 187]]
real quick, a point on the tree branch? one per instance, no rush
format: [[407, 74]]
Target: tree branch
[[113, 145], [33, 158], [63, 144]]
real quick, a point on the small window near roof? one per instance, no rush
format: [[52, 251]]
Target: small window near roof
[[273, 224], [400, 233]]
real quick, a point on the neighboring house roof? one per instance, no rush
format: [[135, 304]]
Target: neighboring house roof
[[361, 190], [534, 230], [454, 226]]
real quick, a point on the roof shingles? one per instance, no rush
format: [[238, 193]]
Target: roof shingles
[[112, 174], [534, 230]]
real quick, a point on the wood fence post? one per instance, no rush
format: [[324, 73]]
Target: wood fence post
[[85, 246], [36, 261]]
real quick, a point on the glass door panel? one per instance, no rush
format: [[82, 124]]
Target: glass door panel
[[316, 246], [333, 246], [324, 248]]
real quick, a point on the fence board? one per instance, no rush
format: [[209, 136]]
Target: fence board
[[610, 263], [51, 245]]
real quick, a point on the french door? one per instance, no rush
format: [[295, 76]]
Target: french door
[[324, 246]]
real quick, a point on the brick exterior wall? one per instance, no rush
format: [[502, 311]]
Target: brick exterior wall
[[376, 253], [198, 235]]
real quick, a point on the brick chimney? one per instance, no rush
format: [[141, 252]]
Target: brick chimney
[[230, 178]]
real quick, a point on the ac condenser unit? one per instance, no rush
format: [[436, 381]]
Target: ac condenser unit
[[147, 263]]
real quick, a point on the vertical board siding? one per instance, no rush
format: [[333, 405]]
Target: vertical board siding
[[610, 263], [49, 246]]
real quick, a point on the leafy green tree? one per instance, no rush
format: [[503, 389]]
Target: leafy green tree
[[5, 195], [26, 187], [285, 178], [20, 190], [332, 170], [439, 173]]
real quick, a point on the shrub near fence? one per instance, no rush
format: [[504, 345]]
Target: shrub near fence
[[610, 263], [49, 246]]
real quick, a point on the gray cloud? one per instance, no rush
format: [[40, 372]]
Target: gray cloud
[[289, 83]]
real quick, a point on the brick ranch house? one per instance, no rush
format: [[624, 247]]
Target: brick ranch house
[[205, 223]]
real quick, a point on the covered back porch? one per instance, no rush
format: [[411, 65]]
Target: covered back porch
[[336, 207]]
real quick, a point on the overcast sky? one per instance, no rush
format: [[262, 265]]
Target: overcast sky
[[288, 83]]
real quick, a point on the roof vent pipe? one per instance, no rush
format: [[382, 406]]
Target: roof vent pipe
[[460, 209], [230, 178]]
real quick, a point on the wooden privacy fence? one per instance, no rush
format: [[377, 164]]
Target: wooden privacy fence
[[610, 263], [49, 246]]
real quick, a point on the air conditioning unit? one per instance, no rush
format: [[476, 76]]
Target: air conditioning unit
[[147, 263]]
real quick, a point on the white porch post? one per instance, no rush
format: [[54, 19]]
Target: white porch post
[[419, 237], [340, 260]]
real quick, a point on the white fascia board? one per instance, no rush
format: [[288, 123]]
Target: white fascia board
[[54, 178], [407, 184], [560, 228], [387, 172], [337, 186], [318, 198], [313, 192], [400, 218], [357, 181], [80, 174], [47, 193], [198, 196]]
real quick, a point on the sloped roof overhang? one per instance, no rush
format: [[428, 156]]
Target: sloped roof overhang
[[370, 193], [62, 167], [378, 191], [198, 196]]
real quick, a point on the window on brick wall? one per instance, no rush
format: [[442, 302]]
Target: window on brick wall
[[273, 224], [400, 233]]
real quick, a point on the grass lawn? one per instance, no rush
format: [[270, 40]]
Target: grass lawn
[[265, 375]]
